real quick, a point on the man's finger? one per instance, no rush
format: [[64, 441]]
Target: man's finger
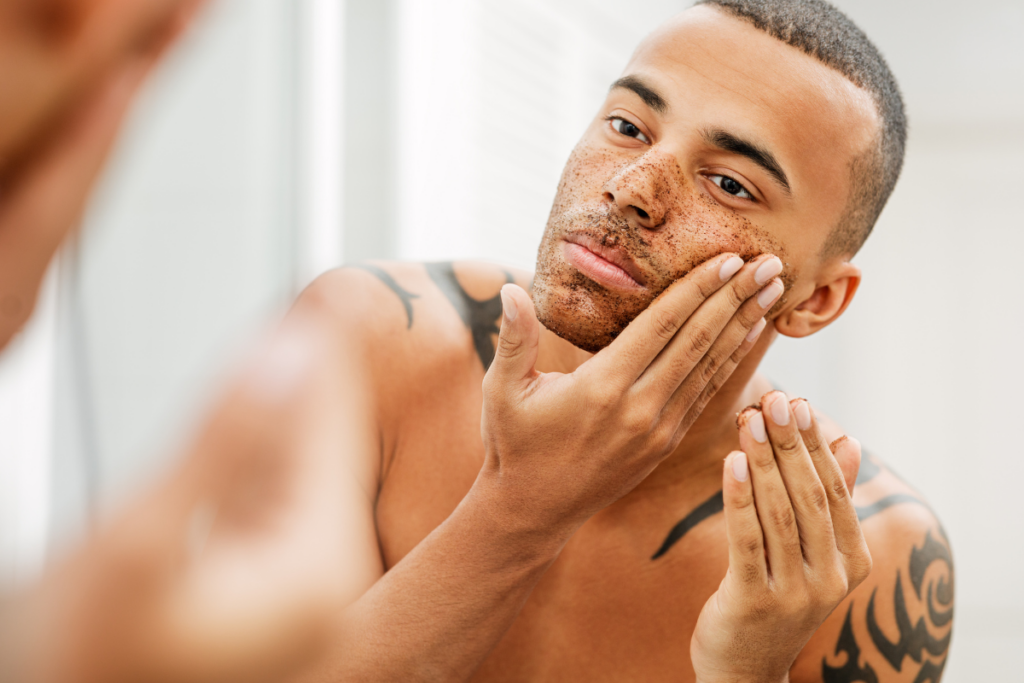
[[725, 372], [519, 340], [743, 529], [774, 508], [640, 343], [836, 475], [806, 492], [709, 337], [47, 199]]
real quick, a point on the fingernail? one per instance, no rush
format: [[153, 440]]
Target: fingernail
[[739, 466], [756, 330], [767, 270], [803, 416], [281, 366], [730, 268], [508, 305], [780, 410], [756, 426], [770, 294]]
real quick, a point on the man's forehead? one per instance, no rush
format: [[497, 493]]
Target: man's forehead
[[707, 53]]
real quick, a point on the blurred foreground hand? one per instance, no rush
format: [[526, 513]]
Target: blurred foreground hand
[[231, 569], [68, 72]]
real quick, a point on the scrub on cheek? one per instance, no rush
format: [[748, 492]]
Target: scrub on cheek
[[683, 227]]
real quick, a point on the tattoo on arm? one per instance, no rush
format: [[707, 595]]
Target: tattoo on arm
[[918, 641], [869, 469], [481, 317]]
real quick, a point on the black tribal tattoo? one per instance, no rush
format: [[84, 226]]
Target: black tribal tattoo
[[915, 640], [481, 317], [712, 506], [403, 294], [716, 504]]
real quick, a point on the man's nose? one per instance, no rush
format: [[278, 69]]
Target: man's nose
[[640, 192]]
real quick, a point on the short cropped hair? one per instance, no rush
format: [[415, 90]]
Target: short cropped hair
[[822, 31]]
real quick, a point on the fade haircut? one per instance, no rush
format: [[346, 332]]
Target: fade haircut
[[822, 31]]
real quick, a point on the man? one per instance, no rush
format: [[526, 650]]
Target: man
[[746, 127], [233, 566]]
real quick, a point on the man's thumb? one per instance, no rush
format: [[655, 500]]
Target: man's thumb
[[519, 341]]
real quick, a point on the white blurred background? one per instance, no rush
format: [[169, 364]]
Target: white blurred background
[[288, 136]]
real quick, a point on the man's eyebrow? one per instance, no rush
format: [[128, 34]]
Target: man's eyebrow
[[759, 155], [649, 95]]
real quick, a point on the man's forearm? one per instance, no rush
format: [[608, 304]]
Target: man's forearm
[[438, 613]]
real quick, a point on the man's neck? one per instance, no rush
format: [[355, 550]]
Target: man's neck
[[697, 460]]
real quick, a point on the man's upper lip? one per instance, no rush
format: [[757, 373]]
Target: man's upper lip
[[613, 255]]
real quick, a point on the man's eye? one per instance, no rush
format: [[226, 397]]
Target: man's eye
[[624, 127], [730, 186]]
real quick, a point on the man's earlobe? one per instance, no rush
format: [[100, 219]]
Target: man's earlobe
[[825, 305]]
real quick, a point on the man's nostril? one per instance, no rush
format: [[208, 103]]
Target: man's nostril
[[640, 212]]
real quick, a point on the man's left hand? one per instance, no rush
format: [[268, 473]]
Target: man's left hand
[[795, 545]]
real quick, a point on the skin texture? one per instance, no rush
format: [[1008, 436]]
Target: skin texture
[[602, 609]]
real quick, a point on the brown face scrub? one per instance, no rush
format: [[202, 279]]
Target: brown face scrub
[[687, 228]]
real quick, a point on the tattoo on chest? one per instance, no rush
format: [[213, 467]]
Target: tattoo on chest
[[925, 642], [712, 506], [481, 317]]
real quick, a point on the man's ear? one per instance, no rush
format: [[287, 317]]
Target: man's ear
[[825, 305]]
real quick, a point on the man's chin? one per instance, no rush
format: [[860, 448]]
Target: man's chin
[[583, 313]]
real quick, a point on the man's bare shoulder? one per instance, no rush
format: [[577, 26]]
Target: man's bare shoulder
[[896, 626], [422, 313]]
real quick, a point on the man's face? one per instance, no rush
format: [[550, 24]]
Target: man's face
[[717, 138]]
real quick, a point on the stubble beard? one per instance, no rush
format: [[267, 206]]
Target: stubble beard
[[574, 307]]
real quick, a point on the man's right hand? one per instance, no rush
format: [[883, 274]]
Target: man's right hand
[[563, 446]]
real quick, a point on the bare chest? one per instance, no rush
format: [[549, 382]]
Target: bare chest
[[607, 609]]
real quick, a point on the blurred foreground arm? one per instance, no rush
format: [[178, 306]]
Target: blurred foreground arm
[[231, 567]]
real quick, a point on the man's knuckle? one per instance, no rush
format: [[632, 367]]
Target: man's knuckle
[[509, 348], [639, 420], [782, 517], [750, 572], [860, 565], [700, 339], [818, 499], [787, 443], [751, 545], [736, 297], [764, 462], [709, 368], [837, 490], [665, 323]]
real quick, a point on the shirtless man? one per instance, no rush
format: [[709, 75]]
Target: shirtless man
[[741, 127]]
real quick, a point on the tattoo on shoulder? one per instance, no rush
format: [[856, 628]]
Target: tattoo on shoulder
[[403, 294], [481, 317], [870, 468], [924, 642]]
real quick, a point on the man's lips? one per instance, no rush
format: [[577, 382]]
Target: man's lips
[[605, 265]]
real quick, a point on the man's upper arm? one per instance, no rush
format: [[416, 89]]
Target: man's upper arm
[[896, 626], [356, 313]]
